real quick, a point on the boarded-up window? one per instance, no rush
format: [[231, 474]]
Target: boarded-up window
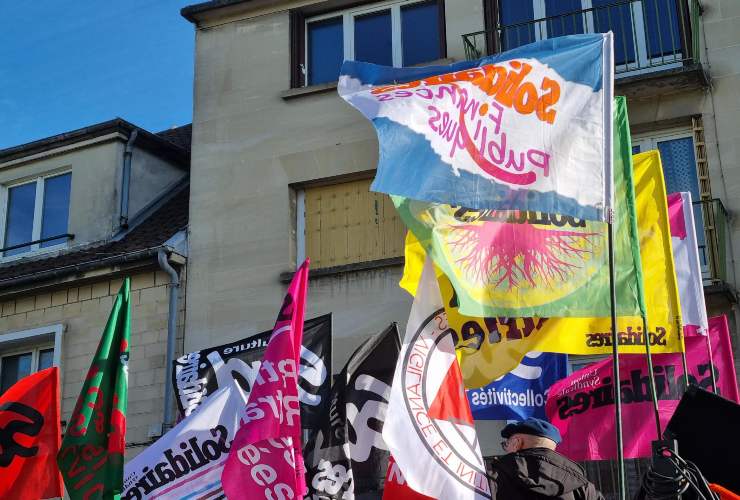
[[347, 224]]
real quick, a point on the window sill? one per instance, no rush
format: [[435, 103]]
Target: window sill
[[323, 272], [328, 87], [32, 254], [309, 90]]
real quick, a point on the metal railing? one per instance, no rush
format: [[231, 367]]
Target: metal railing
[[29, 244], [648, 34], [713, 233]]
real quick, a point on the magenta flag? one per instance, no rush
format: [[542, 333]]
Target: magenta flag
[[582, 405], [265, 458]]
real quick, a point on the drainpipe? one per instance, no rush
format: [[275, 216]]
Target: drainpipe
[[171, 334], [126, 177]]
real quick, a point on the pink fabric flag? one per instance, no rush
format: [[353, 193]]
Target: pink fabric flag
[[582, 405], [265, 459], [688, 267]]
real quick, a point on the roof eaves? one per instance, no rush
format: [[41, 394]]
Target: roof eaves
[[147, 140], [194, 12]]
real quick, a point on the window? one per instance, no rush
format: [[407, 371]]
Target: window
[[397, 33], [679, 171], [36, 210], [26, 352], [646, 32], [346, 223]]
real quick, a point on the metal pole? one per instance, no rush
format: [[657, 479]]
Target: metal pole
[[711, 364], [651, 374], [679, 326], [615, 366]]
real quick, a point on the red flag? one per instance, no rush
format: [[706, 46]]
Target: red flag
[[396, 487], [30, 435]]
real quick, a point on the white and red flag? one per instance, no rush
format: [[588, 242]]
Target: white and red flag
[[688, 267], [429, 428], [265, 459]]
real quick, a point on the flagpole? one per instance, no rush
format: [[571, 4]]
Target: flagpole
[[683, 355], [651, 374], [615, 363], [711, 364]]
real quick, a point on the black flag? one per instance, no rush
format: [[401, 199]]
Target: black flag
[[347, 458]]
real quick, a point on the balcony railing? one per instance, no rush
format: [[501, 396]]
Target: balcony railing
[[712, 221], [648, 34]]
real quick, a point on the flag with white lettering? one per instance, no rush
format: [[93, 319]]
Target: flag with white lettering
[[188, 460], [265, 460], [347, 456], [522, 392], [526, 129], [429, 428], [197, 375]]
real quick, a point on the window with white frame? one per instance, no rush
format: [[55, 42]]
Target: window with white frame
[[395, 33], [25, 352], [36, 210], [678, 158]]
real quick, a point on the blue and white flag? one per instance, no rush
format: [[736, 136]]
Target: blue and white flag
[[527, 129], [522, 392]]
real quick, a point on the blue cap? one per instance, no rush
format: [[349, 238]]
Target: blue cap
[[534, 427]]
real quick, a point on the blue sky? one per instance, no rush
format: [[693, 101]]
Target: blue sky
[[69, 64]]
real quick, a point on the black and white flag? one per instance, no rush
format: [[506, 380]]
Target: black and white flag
[[197, 375], [346, 458]]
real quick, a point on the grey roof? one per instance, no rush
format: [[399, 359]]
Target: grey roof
[[191, 12], [162, 146]]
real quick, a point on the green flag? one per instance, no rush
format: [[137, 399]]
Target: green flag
[[521, 264], [91, 456]]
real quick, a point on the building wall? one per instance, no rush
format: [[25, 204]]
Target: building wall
[[249, 147], [93, 209], [84, 310], [151, 176]]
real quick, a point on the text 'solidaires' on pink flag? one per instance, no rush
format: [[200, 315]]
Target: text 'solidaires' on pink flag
[[265, 459]]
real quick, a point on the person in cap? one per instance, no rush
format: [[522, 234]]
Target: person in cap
[[532, 469]]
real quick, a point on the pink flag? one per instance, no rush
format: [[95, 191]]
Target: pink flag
[[265, 459], [582, 405], [688, 267]]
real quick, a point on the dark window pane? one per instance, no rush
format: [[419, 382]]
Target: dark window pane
[[618, 19], [373, 38], [679, 171], [566, 17], [325, 50], [46, 359], [635, 150], [514, 12], [19, 222], [55, 215], [14, 368], [661, 26], [420, 33]]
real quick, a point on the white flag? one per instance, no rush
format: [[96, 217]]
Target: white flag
[[688, 268], [429, 428], [188, 460]]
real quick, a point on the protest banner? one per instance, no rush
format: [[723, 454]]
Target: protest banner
[[582, 405], [198, 374], [521, 393], [30, 435], [429, 428], [189, 459], [91, 456], [265, 459], [526, 129], [347, 456], [688, 266]]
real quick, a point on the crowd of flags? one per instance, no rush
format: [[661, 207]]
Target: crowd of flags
[[506, 172]]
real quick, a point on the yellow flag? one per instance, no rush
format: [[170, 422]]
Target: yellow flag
[[491, 347]]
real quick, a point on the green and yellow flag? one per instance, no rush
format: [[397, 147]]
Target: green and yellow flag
[[519, 263], [91, 456], [491, 346]]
